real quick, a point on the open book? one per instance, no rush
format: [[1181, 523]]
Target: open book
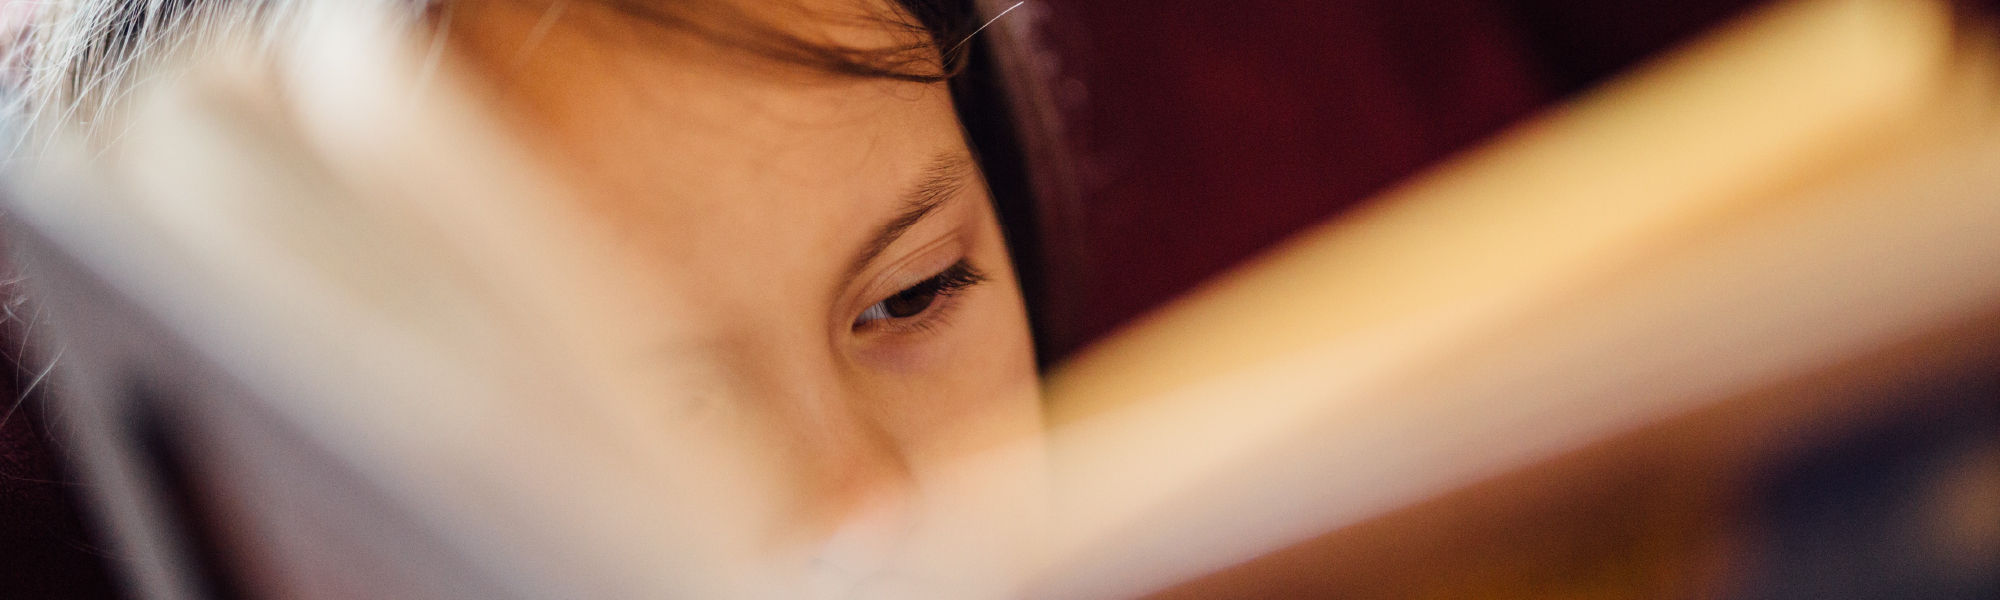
[[315, 308]]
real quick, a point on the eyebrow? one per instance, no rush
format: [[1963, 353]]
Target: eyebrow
[[942, 178]]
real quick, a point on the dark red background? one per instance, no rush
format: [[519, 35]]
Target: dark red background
[[1203, 132]]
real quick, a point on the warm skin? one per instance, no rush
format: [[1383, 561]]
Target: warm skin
[[757, 191]]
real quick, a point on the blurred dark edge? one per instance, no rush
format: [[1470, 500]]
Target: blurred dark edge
[[46, 550]]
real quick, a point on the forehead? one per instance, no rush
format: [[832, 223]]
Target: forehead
[[702, 151]]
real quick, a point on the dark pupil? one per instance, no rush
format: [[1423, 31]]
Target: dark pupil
[[911, 301]]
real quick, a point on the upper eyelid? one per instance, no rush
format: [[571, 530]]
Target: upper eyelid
[[911, 267], [966, 277], [952, 284], [939, 256], [947, 299], [947, 175]]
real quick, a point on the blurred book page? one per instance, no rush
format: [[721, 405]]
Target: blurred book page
[[1764, 203]]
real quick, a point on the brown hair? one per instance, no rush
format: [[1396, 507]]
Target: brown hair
[[69, 62], [937, 29]]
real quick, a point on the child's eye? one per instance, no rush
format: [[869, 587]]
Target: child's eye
[[917, 299]]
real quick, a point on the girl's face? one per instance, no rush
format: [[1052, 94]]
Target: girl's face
[[829, 238]]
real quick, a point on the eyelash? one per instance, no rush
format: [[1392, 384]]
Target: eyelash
[[940, 289]]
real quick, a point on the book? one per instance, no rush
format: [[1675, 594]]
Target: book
[[324, 332], [1744, 212]]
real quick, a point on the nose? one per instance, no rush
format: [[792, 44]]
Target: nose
[[836, 457], [842, 456]]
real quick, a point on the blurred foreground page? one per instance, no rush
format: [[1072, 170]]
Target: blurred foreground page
[[1802, 190]]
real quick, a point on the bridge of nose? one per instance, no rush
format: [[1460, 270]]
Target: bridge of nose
[[836, 452]]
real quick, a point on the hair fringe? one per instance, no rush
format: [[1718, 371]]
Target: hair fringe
[[933, 28], [67, 66]]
